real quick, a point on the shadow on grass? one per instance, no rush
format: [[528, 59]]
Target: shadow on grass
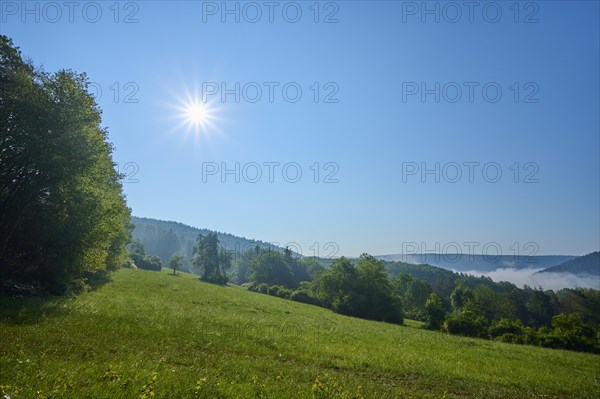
[[97, 280], [31, 310], [19, 309]]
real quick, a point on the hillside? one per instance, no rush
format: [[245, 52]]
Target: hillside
[[177, 337], [584, 265], [165, 239], [480, 263]]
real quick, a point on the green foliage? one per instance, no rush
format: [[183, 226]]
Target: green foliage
[[467, 321], [504, 325], [460, 297], [211, 260], [167, 239], [413, 293], [243, 264], [570, 333], [263, 288], [362, 291], [176, 263], [141, 260], [271, 268], [585, 302], [62, 211], [305, 296], [540, 308], [434, 311], [152, 263]]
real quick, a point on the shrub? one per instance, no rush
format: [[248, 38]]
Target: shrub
[[284, 293], [216, 278], [568, 333], [273, 289], [262, 288], [466, 321], [249, 286], [78, 285], [304, 297], [152, 263], [506, 326], [510, 338], [530, 336]]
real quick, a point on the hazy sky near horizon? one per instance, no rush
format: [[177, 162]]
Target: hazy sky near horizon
[[322, 117]]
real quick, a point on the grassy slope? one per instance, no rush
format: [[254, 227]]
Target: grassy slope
[[213, 342]]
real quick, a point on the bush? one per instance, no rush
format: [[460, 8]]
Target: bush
[[215, 278], [78, 285], [568, 333], [262, 288], [530, 336], [506, 326], [510, 338], [284, 293], [152, 263], [249, 286], [305, 297], [468, 322], [273, 289]]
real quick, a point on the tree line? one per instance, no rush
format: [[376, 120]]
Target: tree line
[[62, 211], [445, 301]]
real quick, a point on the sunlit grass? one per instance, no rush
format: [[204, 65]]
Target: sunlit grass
[[180, 338]]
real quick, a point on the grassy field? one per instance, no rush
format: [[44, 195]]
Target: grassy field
[[149, 334]]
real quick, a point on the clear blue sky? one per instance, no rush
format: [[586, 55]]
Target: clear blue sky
[[376, 54]]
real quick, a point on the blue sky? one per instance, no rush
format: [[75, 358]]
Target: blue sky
[[543, 56]]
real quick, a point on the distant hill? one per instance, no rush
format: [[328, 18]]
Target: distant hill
[[166, 239], [467, 263], [584, 265], [442, 280]]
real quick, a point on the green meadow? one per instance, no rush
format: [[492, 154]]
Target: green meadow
[[151, 334]]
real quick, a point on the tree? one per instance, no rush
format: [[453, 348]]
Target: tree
[[539, 308], [176, 263], [378, 299], [570, 333], [208, 259], [337, 287], [270, 268], [137, 252], [468, 321], [362, 291], [507, 330], [434, 311], [243, 264], [460, 296], [414, 293], [62, 210]]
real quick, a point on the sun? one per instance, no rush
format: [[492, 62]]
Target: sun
[[196, 117], [192, 116], [197, 113]]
